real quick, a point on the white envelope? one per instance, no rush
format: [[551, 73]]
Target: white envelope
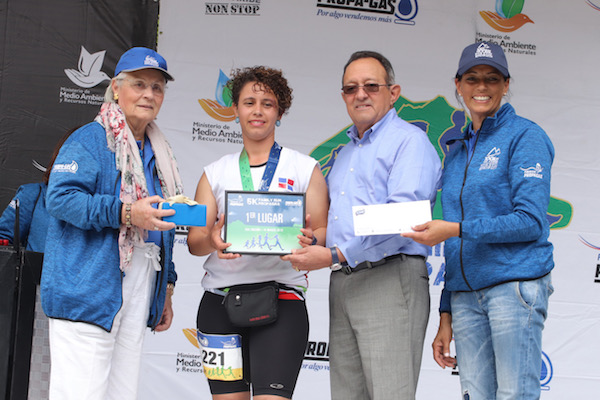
[[390, 218]]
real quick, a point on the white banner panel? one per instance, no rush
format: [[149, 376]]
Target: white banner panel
[[553, 54]]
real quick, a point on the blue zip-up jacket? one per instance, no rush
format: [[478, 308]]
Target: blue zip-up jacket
[[33, 217], [81, 278], [500, 197]]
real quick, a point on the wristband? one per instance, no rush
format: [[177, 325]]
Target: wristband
[[314, 241]]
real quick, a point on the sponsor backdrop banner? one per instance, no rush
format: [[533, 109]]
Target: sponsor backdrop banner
[[58, 57], [553, 55], [554, 63]]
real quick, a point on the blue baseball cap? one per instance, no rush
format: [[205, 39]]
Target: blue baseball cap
[[138, 58], [483, 53]]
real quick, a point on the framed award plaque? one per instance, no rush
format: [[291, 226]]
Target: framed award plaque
[[263, 222]]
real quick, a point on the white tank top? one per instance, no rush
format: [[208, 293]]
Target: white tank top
[[224, 174]]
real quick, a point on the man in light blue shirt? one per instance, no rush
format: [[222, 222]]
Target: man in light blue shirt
[[379, 291]]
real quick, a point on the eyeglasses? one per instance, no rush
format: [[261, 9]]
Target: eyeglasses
[[140, 86], [369, 88]]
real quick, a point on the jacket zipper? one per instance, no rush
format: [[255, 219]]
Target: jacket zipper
[[462, 208]]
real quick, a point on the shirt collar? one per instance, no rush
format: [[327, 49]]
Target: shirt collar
[[147, 153], [495, 120], [352, 132], [470, 131]]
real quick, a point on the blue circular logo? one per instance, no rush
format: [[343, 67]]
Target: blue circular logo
[[547, 371], [406, 10]]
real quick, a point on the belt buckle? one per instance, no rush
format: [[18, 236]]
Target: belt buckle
[[346, 269]]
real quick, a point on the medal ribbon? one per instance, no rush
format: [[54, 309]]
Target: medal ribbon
[[267, 177]]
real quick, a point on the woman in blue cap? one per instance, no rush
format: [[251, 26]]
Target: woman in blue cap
[[108, 270], [495, 194]]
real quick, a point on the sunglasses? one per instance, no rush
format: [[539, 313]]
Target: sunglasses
[[369, 88]]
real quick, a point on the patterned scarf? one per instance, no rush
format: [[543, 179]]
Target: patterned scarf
[[121, 141]]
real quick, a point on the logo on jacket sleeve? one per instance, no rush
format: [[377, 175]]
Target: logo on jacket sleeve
[[491, 160], [533, 172], [72, 167]]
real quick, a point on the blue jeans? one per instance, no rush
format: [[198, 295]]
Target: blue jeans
[[498, 337]]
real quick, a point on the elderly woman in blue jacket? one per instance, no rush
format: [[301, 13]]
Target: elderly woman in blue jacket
[[495, 195], [108, 270]]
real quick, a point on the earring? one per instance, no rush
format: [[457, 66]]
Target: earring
[[116, 97], [278, 123], [237, 120]]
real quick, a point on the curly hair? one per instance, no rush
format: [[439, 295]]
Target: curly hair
[[270, 79]]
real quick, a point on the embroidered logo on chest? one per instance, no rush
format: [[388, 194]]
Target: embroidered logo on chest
[[491, 160]]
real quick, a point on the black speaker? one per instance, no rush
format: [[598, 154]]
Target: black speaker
[[9, 262], [20, 272]]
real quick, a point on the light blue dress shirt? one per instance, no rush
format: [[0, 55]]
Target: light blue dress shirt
[[393, 162]]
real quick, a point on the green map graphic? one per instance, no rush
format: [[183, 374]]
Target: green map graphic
[[440, 120]]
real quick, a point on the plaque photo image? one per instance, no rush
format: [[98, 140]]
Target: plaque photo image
[[263, 222]]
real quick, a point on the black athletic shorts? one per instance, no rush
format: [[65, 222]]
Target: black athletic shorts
[[272, 354]]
